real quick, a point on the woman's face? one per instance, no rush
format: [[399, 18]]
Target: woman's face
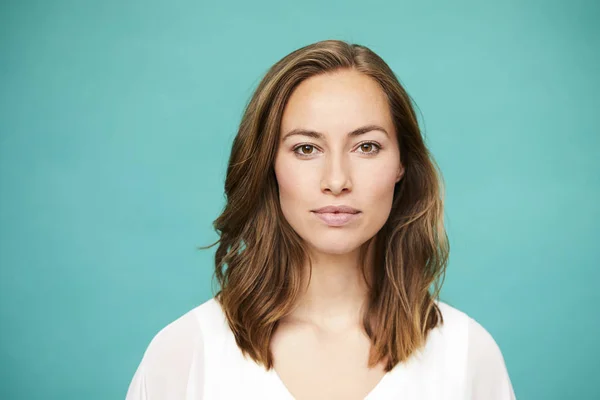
[[332, 167]]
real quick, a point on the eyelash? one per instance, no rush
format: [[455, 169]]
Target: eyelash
[[375, 145]]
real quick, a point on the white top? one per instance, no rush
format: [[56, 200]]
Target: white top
[[196, 357]]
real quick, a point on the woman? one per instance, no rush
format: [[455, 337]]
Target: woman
[[329, 243]]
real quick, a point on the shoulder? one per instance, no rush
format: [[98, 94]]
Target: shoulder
[[446, 347], [192, 327], [459, 327], [484, 370], [172, 353], [451, 314], [181, 334], [454, 327], [486, 374]]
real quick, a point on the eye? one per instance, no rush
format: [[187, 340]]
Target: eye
[[304, 150], [366, 146]]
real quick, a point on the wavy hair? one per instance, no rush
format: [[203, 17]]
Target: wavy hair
[[260, 259]]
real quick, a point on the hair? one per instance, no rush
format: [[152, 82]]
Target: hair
[[260, 258]]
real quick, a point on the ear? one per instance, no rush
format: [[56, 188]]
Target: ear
[[400, 173]]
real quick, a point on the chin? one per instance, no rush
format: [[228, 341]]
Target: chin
[[335, 246]]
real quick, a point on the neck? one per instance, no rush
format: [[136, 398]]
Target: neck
[[336, 293]]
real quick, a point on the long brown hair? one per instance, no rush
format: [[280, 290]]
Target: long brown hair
[[260, 259]]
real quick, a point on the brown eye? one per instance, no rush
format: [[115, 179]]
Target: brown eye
[[369, 148], [305, 150]]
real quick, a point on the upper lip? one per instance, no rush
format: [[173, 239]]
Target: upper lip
[[337, 209]]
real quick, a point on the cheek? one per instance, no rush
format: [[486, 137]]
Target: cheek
[[378, 191], [290, 182], [295, 185]]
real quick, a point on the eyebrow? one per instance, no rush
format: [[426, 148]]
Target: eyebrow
[[319, 135]]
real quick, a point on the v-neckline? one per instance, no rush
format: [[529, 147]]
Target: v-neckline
[[281, 387]]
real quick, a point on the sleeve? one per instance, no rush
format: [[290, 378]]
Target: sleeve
[[487, 376], [174, 355], [137, 387]]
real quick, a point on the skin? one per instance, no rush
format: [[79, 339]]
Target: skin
[[321, 344]]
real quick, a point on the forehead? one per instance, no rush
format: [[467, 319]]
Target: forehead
[[337, 102]]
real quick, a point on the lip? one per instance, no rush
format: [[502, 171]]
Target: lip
[[337, 219], [337, 209]]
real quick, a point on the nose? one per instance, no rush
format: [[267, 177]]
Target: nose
[[336, 176]]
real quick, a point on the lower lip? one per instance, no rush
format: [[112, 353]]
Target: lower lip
[[337, 219]]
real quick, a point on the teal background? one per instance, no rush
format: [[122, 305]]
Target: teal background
[[116, 121]]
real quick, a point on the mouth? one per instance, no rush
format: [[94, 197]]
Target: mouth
[[337, 209], [337, 218]]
